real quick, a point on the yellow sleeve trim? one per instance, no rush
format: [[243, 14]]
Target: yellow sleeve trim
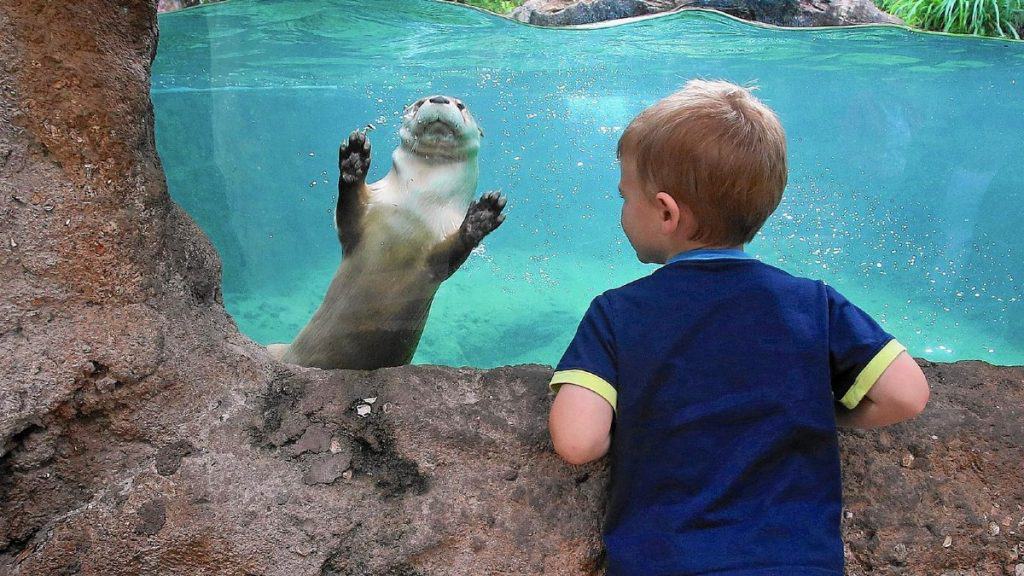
[[871, 373], [585, 379]]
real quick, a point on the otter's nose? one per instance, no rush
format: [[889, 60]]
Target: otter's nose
[[439, 100]]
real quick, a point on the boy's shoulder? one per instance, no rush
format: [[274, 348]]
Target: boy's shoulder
[[751, 273], [751, 285]]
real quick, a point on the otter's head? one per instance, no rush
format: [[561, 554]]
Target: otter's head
[[440, 127]]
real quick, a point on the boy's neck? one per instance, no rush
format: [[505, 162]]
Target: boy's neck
[[691, 246]]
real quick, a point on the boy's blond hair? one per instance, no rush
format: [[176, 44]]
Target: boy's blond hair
[[716, 148]]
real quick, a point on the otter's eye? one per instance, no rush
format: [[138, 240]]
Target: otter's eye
[[460, 105]]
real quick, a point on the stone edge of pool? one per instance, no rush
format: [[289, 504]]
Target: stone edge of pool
[[141, 433], [577, 15]]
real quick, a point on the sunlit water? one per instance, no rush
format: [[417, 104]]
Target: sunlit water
[[905, 161]]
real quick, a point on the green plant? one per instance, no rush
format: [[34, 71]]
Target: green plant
[[499, 6], [1002, 18]]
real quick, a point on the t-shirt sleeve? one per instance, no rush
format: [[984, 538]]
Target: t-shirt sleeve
[[590, 359], [859, 350]]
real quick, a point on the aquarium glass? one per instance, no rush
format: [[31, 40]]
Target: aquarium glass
[[905, 154]]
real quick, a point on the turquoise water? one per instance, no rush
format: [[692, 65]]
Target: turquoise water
[[906, 190]]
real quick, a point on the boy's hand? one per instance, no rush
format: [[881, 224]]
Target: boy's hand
[[580, 423], [900, 393]]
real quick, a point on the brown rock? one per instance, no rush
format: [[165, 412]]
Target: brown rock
[[141, 434], [315, 439], [152, 517], [327, 469], [794, 13], [168, 458], [172, 5]]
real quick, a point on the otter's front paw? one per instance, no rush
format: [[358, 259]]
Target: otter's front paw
[[483, 217], [354, 158]]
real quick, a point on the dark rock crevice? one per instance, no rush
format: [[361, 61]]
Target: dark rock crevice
[[330, 438]]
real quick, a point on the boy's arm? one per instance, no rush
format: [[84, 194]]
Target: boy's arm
[[899, 394], [580, 423]]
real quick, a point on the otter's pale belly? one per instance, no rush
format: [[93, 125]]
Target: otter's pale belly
[[377, 304], [372, 315]]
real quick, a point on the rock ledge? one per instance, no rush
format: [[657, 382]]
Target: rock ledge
[[790, 13]]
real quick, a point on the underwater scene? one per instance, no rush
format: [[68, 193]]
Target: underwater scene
[[905, 189]]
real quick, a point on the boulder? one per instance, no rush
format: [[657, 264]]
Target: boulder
[[776, 12], [172, 5], [141, 434]]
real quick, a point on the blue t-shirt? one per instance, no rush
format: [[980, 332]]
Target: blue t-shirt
[[725, 374]]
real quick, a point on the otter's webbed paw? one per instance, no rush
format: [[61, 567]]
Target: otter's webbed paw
[[354, 158], [354, 162], [483, 217]]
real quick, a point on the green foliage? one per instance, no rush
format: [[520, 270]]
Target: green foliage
[[499, 6], [1003, 18]]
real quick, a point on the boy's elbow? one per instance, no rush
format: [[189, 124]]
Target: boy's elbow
[[579, 453], [578, 457], [921, 399], [916, 396]]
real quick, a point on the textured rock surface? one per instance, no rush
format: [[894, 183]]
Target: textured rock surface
[[776, 12], [141, 434], [172, 5]]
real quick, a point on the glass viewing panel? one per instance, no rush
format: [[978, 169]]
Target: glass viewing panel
[[905, 189]]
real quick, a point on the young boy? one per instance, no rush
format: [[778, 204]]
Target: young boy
[[724, 377]]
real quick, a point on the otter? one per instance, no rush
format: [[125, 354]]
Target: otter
[[401, 237]]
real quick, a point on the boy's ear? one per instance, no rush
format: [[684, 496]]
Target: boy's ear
[[671, 212], [687, 222], [676, 217]]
